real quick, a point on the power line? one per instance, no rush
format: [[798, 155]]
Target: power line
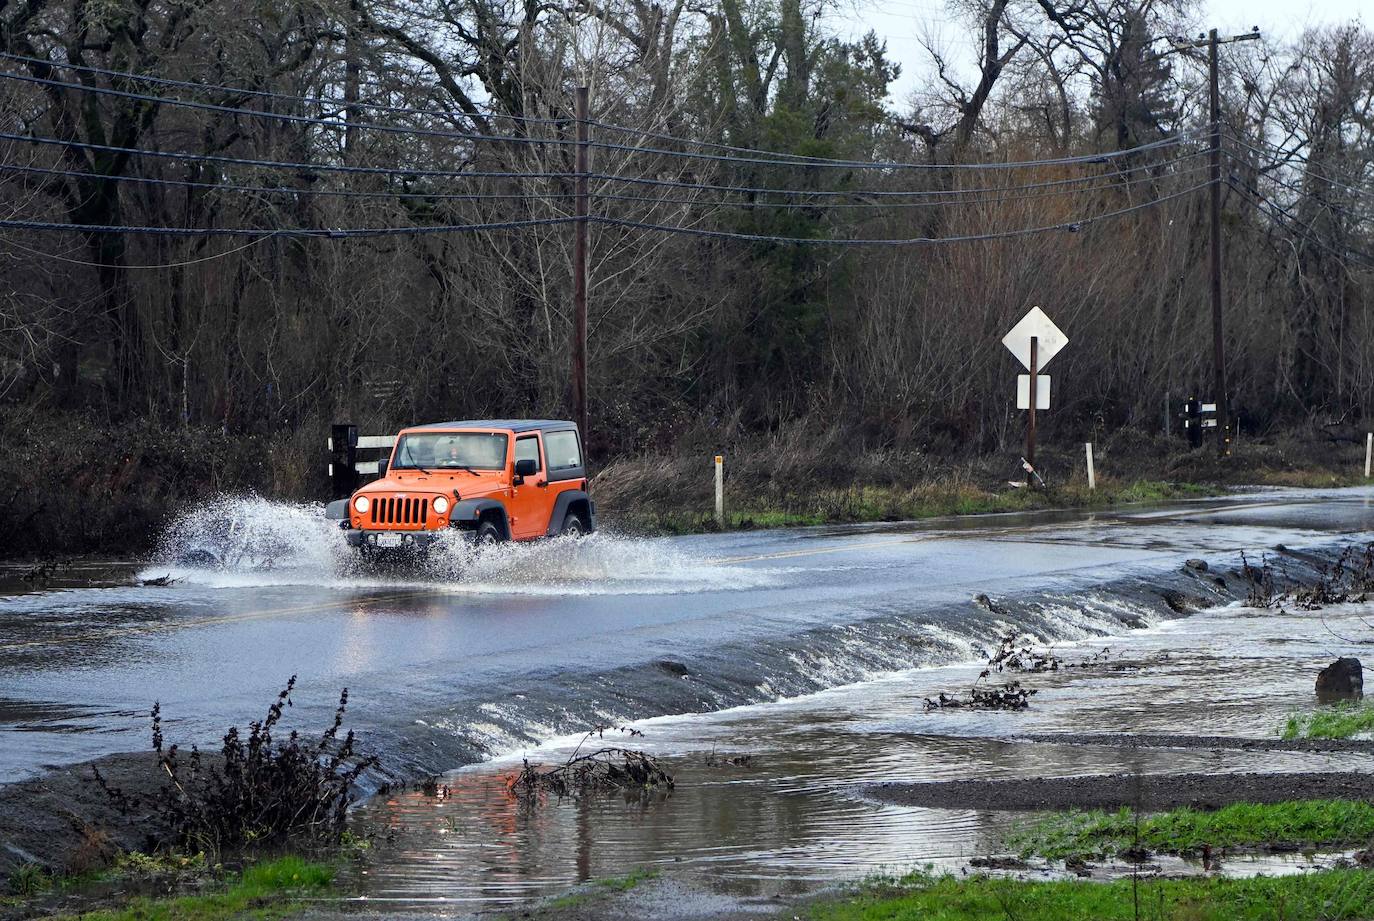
[[482, 174], [166, 265], [1305, 230], [803, 160], [325, 233], [330, 123], [287, 190], [263, 94], [938, 197], [279, 164], [339, 233], [1325, 203], [1030, 191], [1067, 226], [771, 160], [1305, 163]]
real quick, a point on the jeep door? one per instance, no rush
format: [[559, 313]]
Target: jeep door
[[531, 501]]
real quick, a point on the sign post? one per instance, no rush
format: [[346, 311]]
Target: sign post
[[1030, 419], [1035, 340]]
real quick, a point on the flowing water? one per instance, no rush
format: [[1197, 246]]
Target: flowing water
[[473, 654], [768, 798], [775, 671]]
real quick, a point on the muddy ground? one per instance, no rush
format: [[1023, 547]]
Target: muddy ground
[[64, 820]]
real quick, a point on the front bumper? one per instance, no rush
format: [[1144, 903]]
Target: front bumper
[[364, 539]]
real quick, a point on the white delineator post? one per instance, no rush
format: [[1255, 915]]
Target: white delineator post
[[1368, 453], [1092, 477], [720, 490]]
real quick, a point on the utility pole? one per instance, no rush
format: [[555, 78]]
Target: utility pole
[[1211, 42], [1218, 344], [579, 337]]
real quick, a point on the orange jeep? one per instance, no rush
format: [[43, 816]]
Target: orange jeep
[[492, 480]]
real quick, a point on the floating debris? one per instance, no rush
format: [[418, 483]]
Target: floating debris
[[610, 768], [1022, 659], [1010, 696]]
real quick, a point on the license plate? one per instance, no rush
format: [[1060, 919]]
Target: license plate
[[389, 540]]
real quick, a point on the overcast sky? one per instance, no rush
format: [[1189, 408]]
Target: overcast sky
[[902, 22]]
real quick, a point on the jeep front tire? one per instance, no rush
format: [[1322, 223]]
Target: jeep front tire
[[572, 526], [487, 533]]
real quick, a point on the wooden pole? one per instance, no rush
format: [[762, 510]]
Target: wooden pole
[[1218, 345], [1092, 476], [579, 343], [1368, 454]]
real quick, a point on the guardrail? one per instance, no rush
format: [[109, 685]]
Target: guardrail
[[346, 471]]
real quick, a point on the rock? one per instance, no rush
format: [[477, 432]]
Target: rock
[[1343, 678], [1178, 602], [984, 601], [1196, 565]]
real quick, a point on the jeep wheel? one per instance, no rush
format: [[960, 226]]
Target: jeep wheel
[[487, 534], [572, 526]]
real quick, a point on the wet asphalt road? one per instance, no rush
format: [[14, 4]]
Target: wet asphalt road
[[83, 657]]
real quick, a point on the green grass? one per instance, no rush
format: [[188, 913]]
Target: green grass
[[1311, 823], [598, 888], [1329, 895], [932, 500], [29, 880], [264, 891], [1340, 721], [628, 881]]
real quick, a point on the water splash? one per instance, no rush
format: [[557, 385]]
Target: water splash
[[237, 541], [247, 535]]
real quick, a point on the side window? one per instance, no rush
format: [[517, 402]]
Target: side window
[[564, 451], [528, 448]]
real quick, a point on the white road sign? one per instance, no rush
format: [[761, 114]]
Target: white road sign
[[1042, 391], [1049, 339]]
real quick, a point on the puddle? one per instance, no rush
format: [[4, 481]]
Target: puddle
[[790, 818]]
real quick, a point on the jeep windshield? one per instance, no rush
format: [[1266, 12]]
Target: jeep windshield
[[471, 451]]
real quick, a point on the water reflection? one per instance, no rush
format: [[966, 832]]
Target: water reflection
[[793, 815]]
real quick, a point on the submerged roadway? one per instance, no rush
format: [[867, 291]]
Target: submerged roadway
[[525, 641]]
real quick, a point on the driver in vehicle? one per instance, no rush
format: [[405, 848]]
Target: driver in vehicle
[[451, 456]]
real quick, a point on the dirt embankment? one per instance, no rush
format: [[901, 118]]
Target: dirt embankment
[[63, 819]]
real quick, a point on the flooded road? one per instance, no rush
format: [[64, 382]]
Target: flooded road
[[480, 657], [769, 798]]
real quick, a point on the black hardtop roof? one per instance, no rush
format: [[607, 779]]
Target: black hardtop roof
[[515, 425]]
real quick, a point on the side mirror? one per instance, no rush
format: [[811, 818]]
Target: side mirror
[[525, 466], [382, 467]]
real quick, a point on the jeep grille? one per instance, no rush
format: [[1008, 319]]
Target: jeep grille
[[397, 510]]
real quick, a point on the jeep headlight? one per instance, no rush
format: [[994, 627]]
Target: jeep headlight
[[441, 505], [361, 504]]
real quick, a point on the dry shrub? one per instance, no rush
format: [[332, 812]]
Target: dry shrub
[[260, 792]]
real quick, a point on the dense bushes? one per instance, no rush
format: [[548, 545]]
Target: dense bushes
[[74, 484]]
